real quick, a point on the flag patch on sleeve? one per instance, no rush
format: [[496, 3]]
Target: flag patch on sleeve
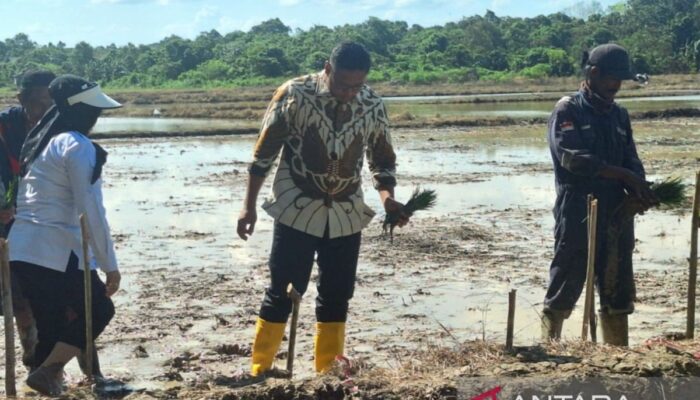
[[566, 126]]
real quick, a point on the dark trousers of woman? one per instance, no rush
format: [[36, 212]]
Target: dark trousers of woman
[[52, 294], [291, 261]]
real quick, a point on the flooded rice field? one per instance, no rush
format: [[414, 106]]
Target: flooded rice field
[[122, 124], [192, 288], [491, 106], [527, 105]]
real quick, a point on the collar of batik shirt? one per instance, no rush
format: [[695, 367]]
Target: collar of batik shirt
[[323, 87]]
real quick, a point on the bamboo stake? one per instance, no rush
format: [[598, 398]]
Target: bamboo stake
[[693, 261], [591, 310], [10, 387], [590, 273], [296, 300], [592, 321], [511, 319], [89, 344], [591, 315]]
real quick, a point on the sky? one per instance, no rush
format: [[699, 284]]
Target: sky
[[102, 22]]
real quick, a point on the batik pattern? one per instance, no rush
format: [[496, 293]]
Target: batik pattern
[[318, 182]]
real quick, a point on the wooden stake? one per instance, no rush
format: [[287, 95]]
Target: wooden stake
[[591, 310], [89, 344], [693, 261], [590, 273], [592, 321], [10, 387], [511, 319], [296, 300]]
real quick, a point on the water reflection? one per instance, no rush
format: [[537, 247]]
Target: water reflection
[[529, 109], [400, 105], [490, 177], [124, 124]]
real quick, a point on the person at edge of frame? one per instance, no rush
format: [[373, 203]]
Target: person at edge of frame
[[60, 170], [323, 123], [593, 152], [15, 124]]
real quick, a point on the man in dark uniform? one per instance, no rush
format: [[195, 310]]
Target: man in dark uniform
[[15, 123], [590, 138]]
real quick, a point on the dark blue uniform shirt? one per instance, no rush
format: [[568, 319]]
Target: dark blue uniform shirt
[[13, 130], [582, 139]]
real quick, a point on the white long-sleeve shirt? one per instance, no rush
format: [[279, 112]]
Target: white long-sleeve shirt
[[55, 191]]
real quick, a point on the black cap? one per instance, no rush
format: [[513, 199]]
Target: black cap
[[67, 90], [34, 78], [612, 59]]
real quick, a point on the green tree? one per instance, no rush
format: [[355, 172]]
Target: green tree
[[81, 57]]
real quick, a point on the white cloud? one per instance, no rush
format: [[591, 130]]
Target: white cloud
[[499, 6], [289, 3], [203, 13], [204, 19], [159, 2], [228, 24], [35, 29], [404, 3]]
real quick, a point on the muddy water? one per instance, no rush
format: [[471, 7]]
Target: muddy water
[[477, 306], [122, 124], [436, 105], [422, 106], [191, 285], [526, 96]]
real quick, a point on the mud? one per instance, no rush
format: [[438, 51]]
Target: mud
[[429, 310]]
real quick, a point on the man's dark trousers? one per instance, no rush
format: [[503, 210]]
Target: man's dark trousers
[[291, 261], [568, 269]]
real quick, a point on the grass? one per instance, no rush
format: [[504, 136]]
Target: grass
[[419, 200], [670, 191]]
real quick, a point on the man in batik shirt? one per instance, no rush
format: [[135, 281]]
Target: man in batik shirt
[[323, 124]]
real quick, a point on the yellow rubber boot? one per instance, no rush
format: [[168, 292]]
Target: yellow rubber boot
[[329, 342], [268, 337]]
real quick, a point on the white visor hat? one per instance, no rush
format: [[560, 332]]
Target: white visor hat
[[93, 96]]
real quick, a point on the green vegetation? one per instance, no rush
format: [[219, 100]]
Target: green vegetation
[[420, 200], [663, 36], [670, 191]]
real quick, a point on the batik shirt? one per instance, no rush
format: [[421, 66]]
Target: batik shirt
[[318, 183]]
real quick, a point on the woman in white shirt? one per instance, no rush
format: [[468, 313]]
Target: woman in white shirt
[[61, 170]]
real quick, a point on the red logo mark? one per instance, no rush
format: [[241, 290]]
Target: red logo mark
[[490, 395]]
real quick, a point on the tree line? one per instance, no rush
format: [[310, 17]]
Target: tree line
[[663, 36]]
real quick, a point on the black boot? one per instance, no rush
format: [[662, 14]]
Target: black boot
[[615, 329], [551, 326]]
